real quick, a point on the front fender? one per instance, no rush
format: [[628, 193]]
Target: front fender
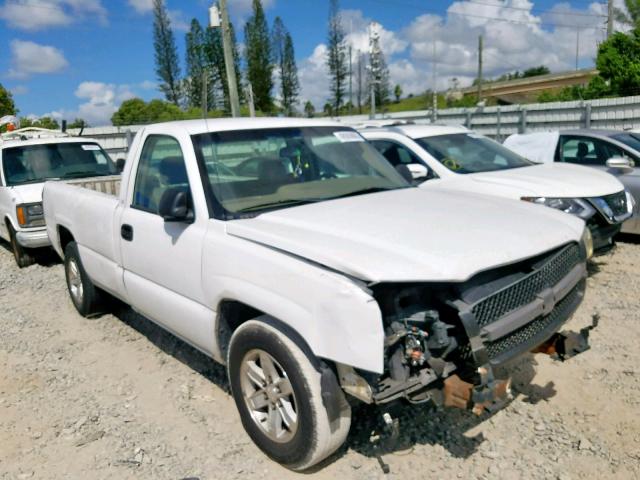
[[336, 317]]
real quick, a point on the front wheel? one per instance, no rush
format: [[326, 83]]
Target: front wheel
[[22, 255], [278, 395], [84, 294]]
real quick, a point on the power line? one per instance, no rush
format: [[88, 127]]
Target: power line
[[525, 9]]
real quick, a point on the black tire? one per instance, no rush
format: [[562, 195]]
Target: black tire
[[84, 294], [23, 256], [316, 436]]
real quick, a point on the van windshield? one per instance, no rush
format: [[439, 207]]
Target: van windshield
[[258, 170], [471, 153], [38, 163]]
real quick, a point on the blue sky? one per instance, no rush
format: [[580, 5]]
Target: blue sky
[[71, 58]]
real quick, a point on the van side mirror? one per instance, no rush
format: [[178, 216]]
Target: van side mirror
[[176, 205], [120, 165], [620, 163]]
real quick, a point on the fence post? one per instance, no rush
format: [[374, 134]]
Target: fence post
[[587, 115], [129, 137], [523, 121], [498, 125], [468, 121]]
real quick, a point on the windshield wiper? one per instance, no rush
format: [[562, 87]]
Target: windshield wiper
[[280, 203], [365, 191], [79, 174], [34, 180]]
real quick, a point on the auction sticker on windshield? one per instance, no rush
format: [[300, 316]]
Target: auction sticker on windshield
[[346, 137], [90, 147]]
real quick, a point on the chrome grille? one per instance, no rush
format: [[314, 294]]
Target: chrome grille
[[525, 291]]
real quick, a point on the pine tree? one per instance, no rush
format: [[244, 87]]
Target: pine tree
[[196, 64], [258, 56], [166, 53], [284, 57], [336, 56]]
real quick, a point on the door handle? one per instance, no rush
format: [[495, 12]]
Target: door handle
[[126, 232]]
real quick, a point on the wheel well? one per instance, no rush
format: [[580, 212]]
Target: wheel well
[[65, 237], [232, 314]]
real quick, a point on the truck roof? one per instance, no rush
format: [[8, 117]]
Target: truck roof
[[420, 131], [44, 141], [195, 127]]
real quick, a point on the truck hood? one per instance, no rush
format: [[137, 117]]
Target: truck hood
[[30, 193], [412, 235], [546, 180]]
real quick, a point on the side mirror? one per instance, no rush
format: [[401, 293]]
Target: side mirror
[[120, 165], [175, 205], [418, 171], [620, 163]]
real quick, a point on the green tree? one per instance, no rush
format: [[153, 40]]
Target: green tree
[[195, 60], [42, 122], [131, 112], [166, 53], [78, 123], [214, 59], [7, 106], [284, 57], [397, 92], [618, 62], [258, 57], [630, 15], [378, 74], [535, 71], [309, 109], [336, 56]]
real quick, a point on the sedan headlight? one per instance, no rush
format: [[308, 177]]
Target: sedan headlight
[[631, 202], [30, 215], [587, 241], [573, 206]]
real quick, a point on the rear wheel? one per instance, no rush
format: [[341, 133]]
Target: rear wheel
[[84, 294], [278, 394], [23, 256]]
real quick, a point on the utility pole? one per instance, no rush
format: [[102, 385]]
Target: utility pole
[[205, 92], [434, 100], [610, 14], [229, 63], [577, 46], [252, 108], [480, 68], [350, 80]]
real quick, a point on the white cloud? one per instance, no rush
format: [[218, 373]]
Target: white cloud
[[141, 6], [314, 77], [29, 58], [32, 15], [20, 90]]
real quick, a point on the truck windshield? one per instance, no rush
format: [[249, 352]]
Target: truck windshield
[[37, 163], [471, 153], [258, 170]]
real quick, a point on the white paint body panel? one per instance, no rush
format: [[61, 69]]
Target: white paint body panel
[[306, 266]]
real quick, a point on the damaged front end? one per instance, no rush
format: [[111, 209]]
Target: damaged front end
[[443, 341]]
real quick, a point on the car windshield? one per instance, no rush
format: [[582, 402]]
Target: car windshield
[[471, 153], [258, 170], [629, 139], [37, 163]]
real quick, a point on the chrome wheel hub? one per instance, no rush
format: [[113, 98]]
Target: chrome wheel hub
[[268, 394], [75, 281]]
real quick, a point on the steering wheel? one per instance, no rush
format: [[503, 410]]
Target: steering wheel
[[451, 164]]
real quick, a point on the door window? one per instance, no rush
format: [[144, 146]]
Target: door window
[[395, 153], [161, 167], [587, 151]]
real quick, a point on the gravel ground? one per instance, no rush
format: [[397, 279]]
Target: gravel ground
[[116, 397]]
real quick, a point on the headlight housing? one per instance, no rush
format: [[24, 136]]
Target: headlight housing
[[631, 202], [572, 206], [587, 241], [30, 215]]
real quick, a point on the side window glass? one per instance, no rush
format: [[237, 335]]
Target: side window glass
[[396, 154], [580, 150], [161, 167]]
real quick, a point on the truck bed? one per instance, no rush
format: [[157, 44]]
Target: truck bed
[[109, 185]]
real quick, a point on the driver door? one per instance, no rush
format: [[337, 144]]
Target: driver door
[[162, 260]]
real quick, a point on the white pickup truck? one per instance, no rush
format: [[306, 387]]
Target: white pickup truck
[[459, 160], [292, 252], [28, 158]]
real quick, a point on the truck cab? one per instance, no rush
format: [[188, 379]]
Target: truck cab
[[28, 158]]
